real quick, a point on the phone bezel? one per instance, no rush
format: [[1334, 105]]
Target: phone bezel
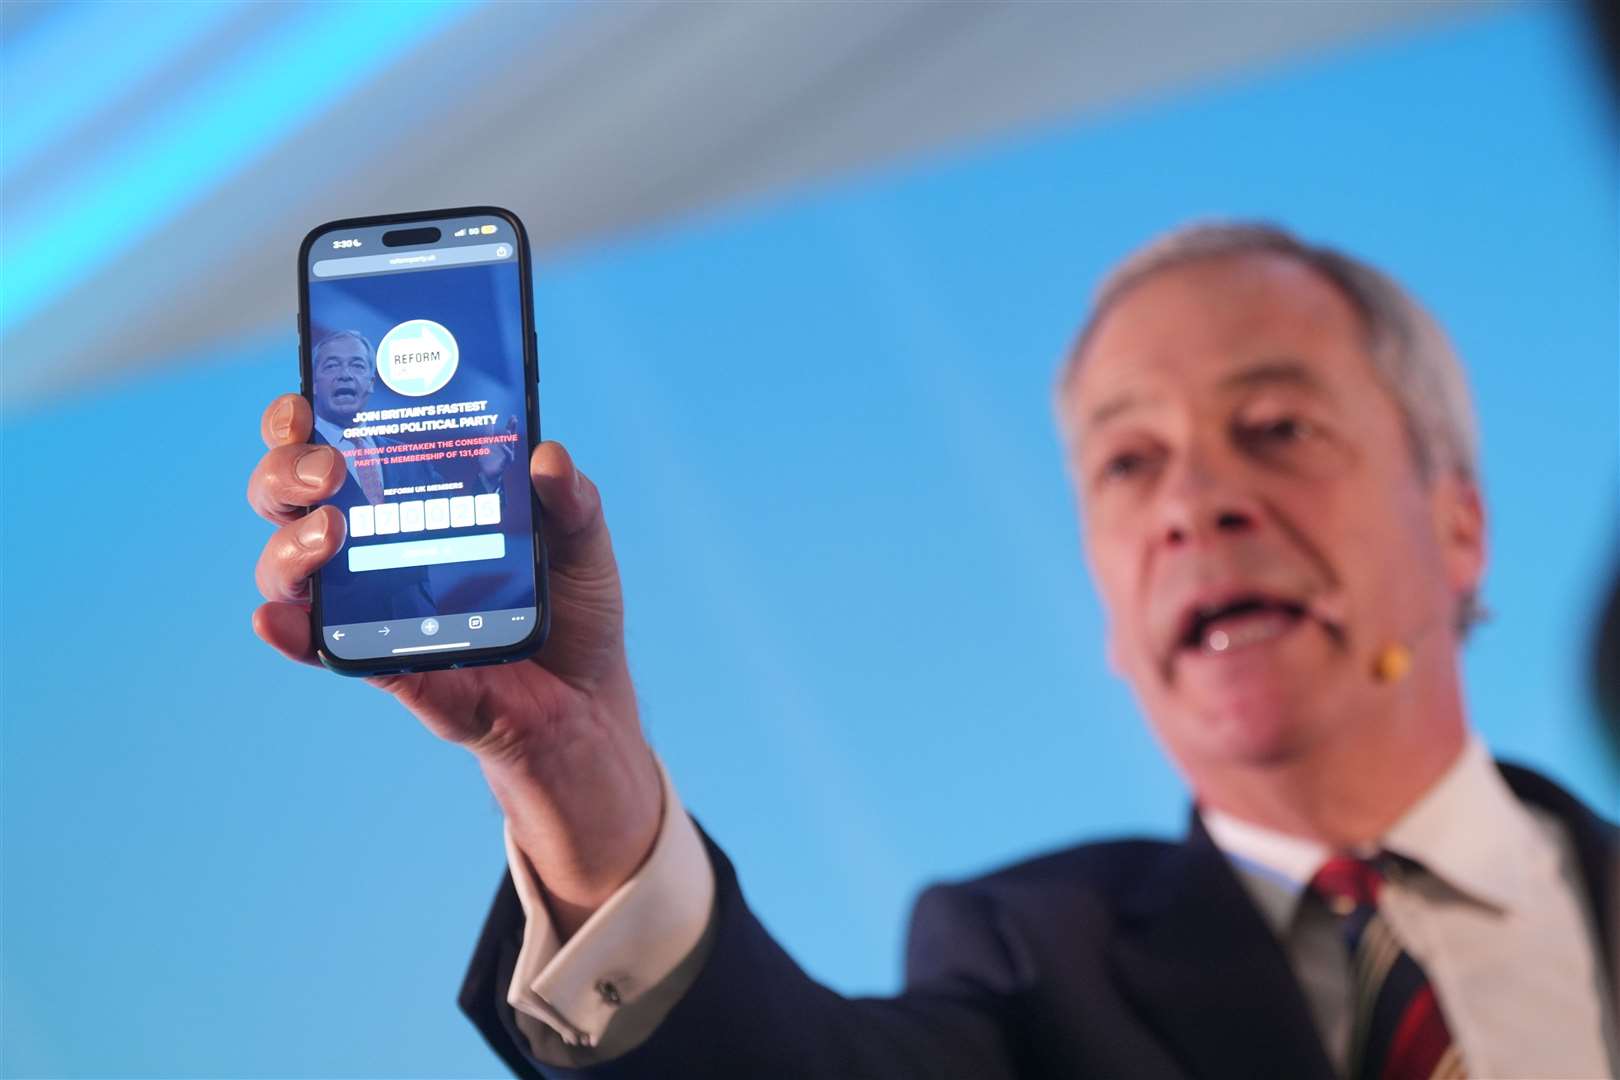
[[392, 665]]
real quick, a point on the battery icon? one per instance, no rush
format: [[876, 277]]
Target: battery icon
[[487, 229]]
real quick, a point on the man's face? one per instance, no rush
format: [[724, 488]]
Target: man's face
[[1253, 514], [343, 376]]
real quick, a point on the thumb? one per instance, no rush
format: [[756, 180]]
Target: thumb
[[587, 607], [576, 533]]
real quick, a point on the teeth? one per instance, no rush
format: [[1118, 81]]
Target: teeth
[[1249, 632]]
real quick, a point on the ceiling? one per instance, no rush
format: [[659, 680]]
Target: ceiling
[[153, 203]]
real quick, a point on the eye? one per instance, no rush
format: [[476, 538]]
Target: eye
[[1282, 431], [1122, 466]]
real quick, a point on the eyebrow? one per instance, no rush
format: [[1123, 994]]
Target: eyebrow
[[1108, 410], [1266, 373], [1275, 373]]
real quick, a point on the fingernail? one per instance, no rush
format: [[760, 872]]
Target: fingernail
[[314, 466], [281, 420], [312, 530], [579, 481]]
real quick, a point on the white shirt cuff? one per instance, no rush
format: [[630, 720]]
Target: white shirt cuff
[[632, 942]]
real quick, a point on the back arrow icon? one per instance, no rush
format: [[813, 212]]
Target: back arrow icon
[[337, 635]]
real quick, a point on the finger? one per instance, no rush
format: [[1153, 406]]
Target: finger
[[288, 479], [286, 420], [297, 550], [586, 643], [285, 628], [576, 533]]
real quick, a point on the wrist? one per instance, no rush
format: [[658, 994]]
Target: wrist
[[586, 818]]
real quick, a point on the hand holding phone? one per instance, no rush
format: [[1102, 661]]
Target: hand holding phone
[[587, 822]]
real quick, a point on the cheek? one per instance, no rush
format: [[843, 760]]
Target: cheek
[[1383, 553], [1114, 572], [1416, 569], [1111, 561]]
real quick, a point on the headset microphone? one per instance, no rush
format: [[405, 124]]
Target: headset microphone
[[1392, 663]]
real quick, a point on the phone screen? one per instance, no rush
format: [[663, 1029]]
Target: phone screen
[[416, 372]]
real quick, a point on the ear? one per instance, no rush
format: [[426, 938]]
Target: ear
[[1111, 646], [1459, 520]]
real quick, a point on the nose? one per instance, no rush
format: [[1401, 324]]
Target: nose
[[1200, 504]]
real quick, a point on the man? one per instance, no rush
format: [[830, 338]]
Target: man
[[1273, 454], [343, 370]]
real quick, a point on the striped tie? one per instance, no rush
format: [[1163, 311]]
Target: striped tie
[[1398, 1031]]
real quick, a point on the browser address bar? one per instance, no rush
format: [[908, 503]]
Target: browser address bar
[[411, 260]]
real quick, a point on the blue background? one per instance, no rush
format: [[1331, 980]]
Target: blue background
[[480, 306], [858, 618]]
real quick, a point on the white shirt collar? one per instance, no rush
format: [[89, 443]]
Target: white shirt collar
[[1471, 832], [1468, 829], [1276, 866], [333, 433]]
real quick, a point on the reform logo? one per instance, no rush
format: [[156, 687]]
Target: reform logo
[[417, 357]]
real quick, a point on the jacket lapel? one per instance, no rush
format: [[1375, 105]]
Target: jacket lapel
[[1597, 850], [1205, 971]]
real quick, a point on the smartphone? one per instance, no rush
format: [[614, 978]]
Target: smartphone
[[417, 355]]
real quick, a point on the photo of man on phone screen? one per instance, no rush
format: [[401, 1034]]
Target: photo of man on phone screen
[[344, 371]]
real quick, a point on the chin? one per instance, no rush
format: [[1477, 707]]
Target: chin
[[1258, 729]]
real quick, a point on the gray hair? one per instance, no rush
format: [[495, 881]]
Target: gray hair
[[1411, 355], [315, 350]]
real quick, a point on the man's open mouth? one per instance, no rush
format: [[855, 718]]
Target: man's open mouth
[[1237, 622]]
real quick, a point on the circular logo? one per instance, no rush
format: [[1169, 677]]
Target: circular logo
[[417, 357]]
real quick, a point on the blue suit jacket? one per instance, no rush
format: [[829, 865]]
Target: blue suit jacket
[[1131, 958]]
